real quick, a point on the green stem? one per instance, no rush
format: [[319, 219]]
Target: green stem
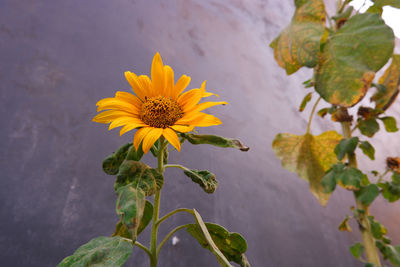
[[175, 166], [154, 226], [312, 114], [140, 245], [172, 213], [169, 235], [365, 227]]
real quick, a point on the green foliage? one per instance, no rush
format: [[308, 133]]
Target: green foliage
[[346, 146], [391, 190], [345, 72], [122, 230], [392, 253], [215, 140], [378, 5], [390, 124], [357, 250], [111, 163], [304, 102], [139, 175], [298, 44], [390, 81], [367, 194], [367, 149], [100, 252], [130, 208], [378, 230], [348, 177], [309, 156], [368, 127], [204, 178]]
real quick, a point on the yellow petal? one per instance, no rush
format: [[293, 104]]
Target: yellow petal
[[182, 128], [130, 126], [139, 135], [206, 105], [189, 99], [168, 81], [150, 138], [146, 85], [206, 94], [109, 115], [118, 104], [172, 138], [157, 74], [136, 84], [180, 86], [125, 120], [199, 120], [128, 97]]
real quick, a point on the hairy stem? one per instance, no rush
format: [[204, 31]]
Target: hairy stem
[[154, 226], [365, 227]]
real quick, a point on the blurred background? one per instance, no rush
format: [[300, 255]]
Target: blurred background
[[58, 58]]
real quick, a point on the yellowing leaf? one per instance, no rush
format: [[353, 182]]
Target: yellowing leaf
[[350, 58], [391, 80], [309, 156], [298, 44]]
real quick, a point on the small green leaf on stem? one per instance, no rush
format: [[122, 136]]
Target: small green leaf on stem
[[368, 127], [204, 178], [306, 99], [367, 194], [111, 163], [390, 124], [215, 140], [101, 251], [322, 112], [378, 230], [367, 149], [346, 146], [357, 250]]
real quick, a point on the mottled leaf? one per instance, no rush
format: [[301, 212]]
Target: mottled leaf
[[346, 146], [322, 112], [204, 178], [390, 81], [392, 253], [367, 194], [351, 57], [215, 140], [210, 244], [377, 229], [390, 124], [309, 156], [100, 252], [111, 163], [345, 226], [368, 127], [357, 250], [348, 177], [367, 149], [306, 99], [130, 208], [298, 44], [139, 175], [122, 230]]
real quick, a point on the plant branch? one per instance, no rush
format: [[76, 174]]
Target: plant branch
[[169, 235], [175, 166], [172, 213], [312, 114]]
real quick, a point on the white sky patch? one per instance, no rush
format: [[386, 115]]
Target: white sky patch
[[390, 15]]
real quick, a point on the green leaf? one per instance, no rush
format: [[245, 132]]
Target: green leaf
[[100, 252], [306, 99], [351, 57], [378, 5], [111, 163], [134, 154], [357, 250], [348, 177], [390, 252], [367, 149], [390, 80], [139, 175], [130, 208], [210, 244], [390, 191], [298, 44], [377, 229], [390, 124], [215, 140], [329, 179], [345, 226], [368, 127], [309, 156], [346, 146], [367, 194], [204, 178], [122, 230], [322, 112]]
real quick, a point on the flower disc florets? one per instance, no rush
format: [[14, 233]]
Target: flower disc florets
[[160, 112]]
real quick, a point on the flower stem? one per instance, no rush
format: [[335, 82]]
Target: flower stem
[[154, 226], [365, 226]]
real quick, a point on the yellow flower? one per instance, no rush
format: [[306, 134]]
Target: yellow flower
[[159, 107]]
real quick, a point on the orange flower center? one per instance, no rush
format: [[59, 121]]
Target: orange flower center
[[160, 112]]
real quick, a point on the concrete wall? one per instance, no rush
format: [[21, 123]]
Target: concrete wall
[[58, 58]]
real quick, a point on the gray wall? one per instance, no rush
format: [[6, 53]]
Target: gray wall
[[58, 58]]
